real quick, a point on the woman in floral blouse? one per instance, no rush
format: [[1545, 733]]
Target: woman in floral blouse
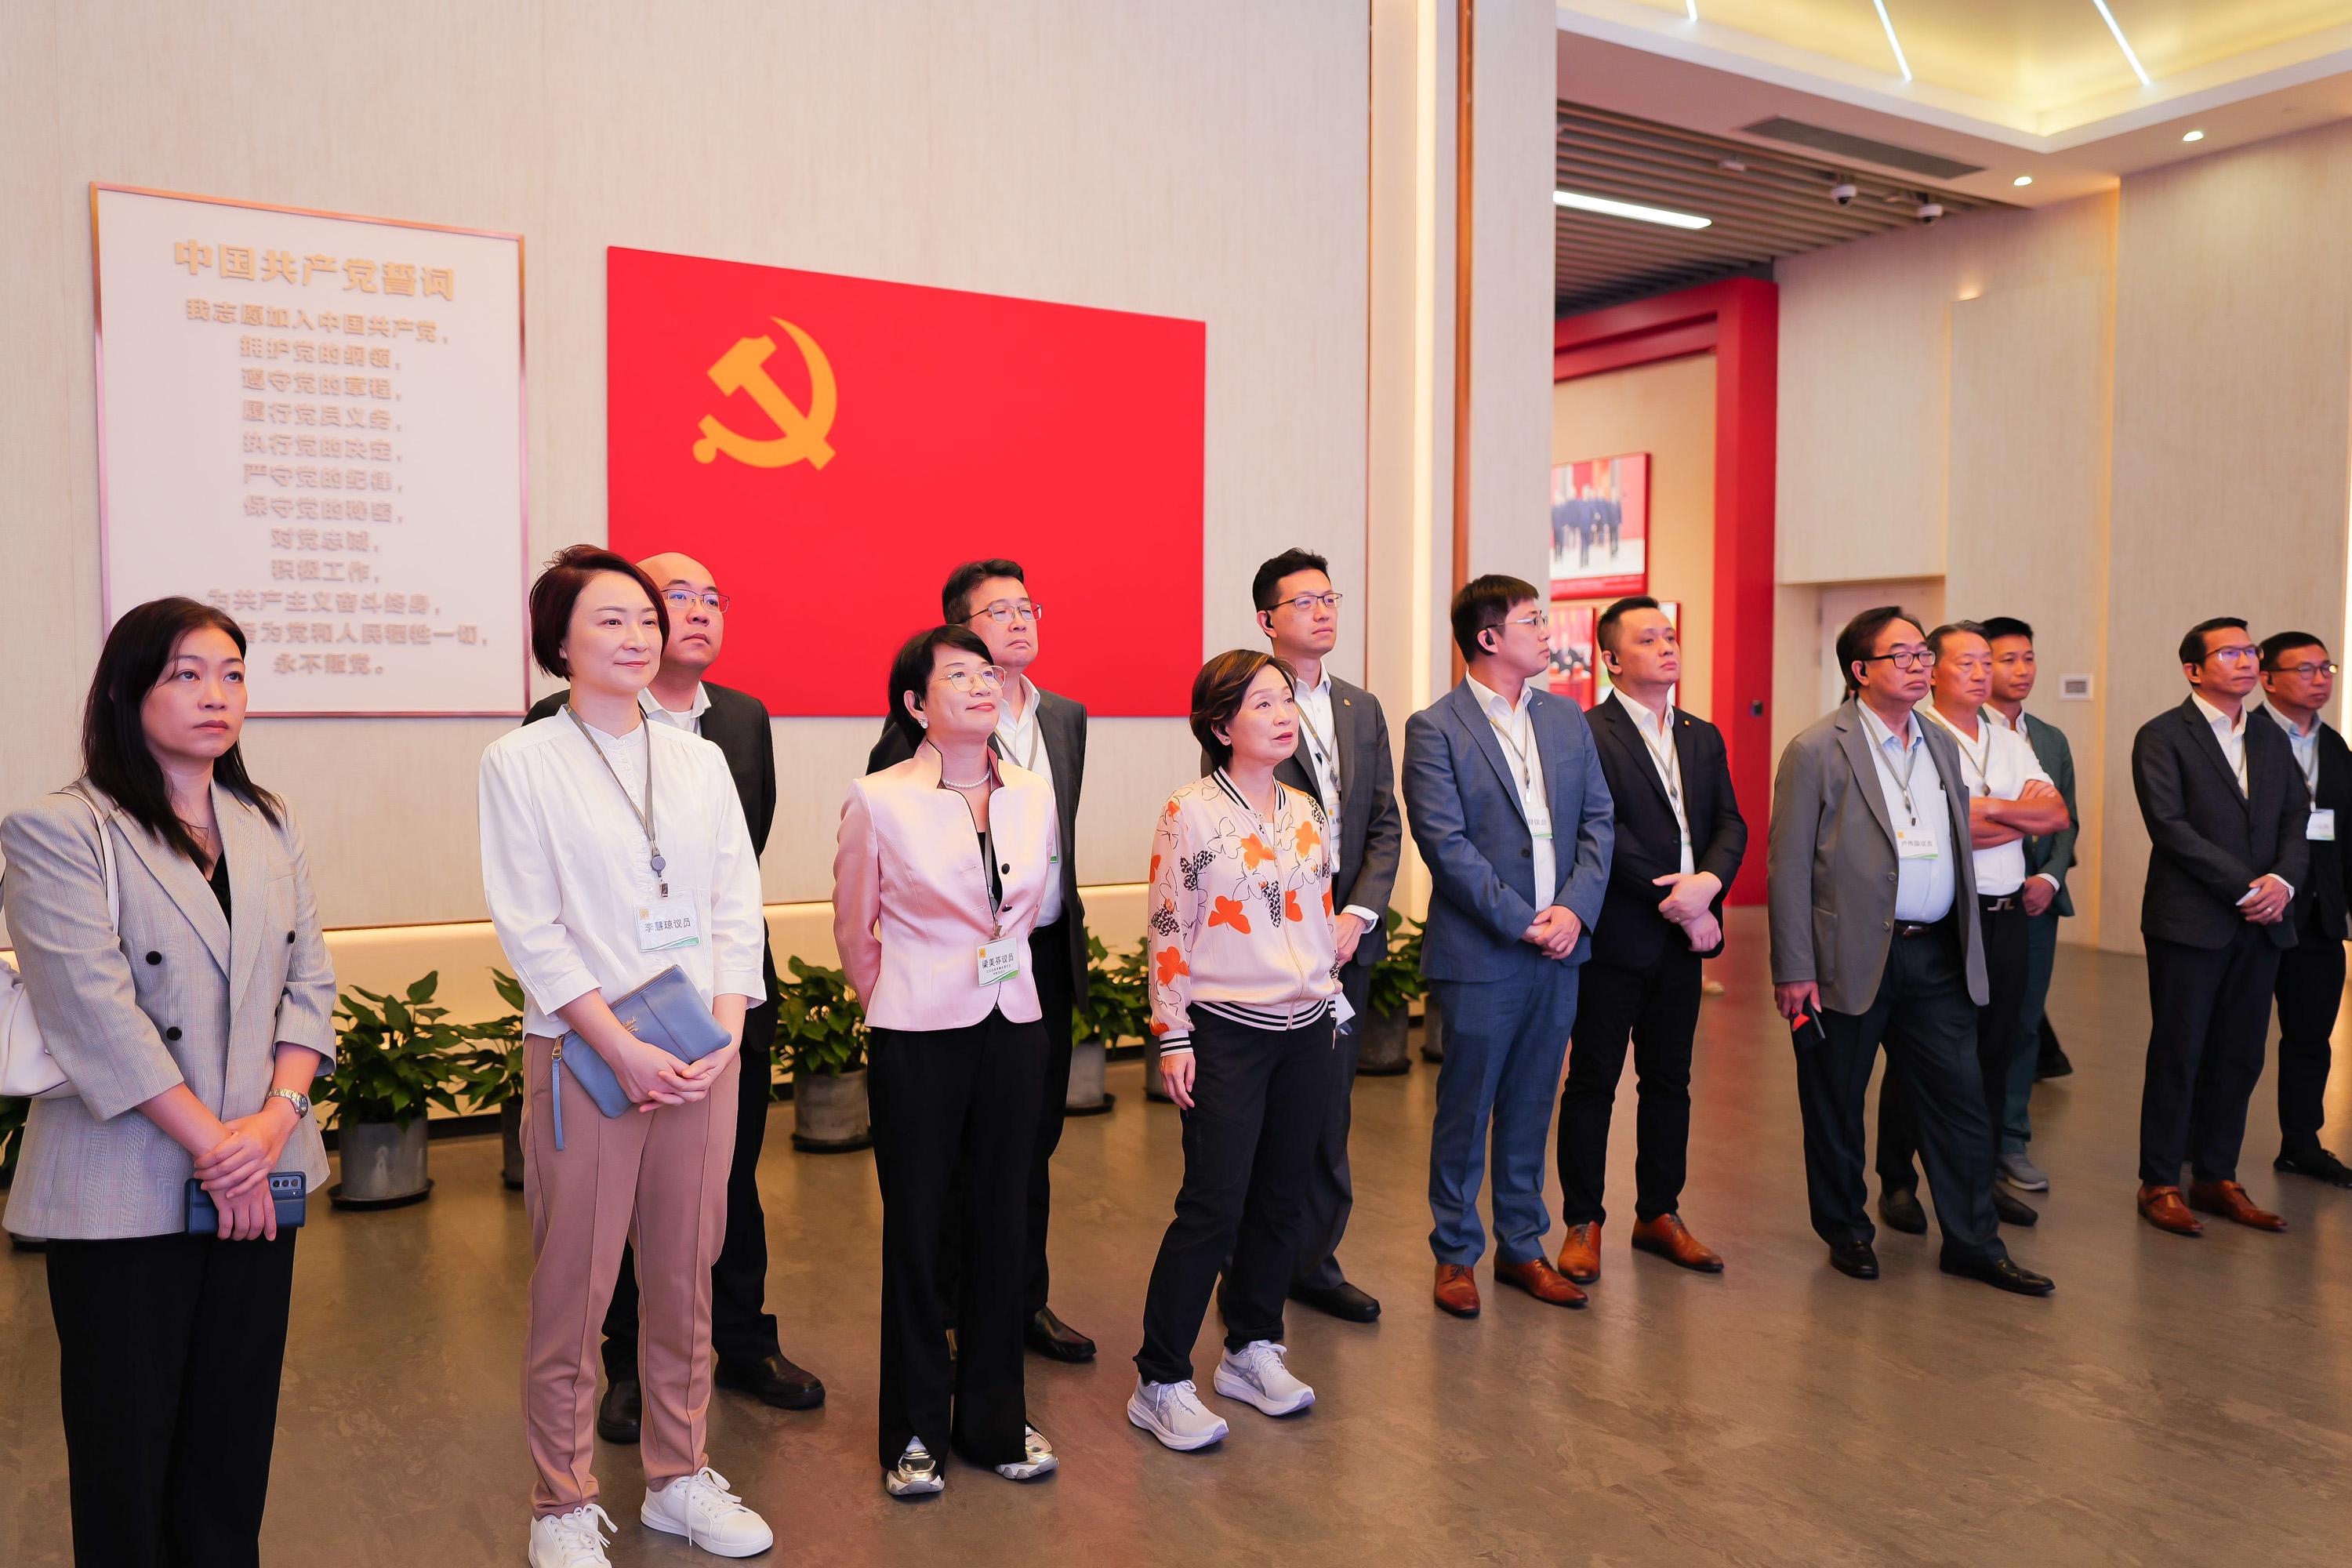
[[1244, 1000]]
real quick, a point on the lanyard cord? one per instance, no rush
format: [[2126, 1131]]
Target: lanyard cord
[[1903, 779], [1670, 766], [1527, 769], [1326, 754], [644, 817], [1979, 756]]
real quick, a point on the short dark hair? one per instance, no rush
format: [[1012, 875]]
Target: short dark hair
[[1218, 690], [557, 591], [1483, 603], [968, 576], [1854, 642], [1952, 629], [114, 749], [911, 667], [2192, 646], [2278, 643], [1604, 634], [1288, 563], [1997, 626]]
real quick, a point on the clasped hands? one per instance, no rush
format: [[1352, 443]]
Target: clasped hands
[[235, 1170], [1690, 904], [652, 1078], [2265, 902]]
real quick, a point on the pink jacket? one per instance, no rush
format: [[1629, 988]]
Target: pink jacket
[[910, 896]]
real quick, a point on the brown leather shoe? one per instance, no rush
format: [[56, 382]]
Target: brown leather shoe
[[1668, 1237], [2230, 1201], [1580, 1255], [2162, 1208], [1457, 1289], [1541, 1281]]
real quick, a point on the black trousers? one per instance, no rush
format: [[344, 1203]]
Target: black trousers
[[1657, 1009], [2310, 987], [1258, 1103], [170, 1349], [1331, 1184], [2007, 961], [2211, 1012], [1923, 1016], [741, 1327], [954, 1111], [1049, 957]]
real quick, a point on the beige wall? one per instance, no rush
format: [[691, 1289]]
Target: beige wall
[[1668, 410]]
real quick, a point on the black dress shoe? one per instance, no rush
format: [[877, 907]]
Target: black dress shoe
[[772, 1380], [2316, 1163], [1342, 1300], [1856, 1260], [2002, 1274], [2050, 1056], [1052, 1337], [1899, 1207], [2013, 1211], [621, 1410]]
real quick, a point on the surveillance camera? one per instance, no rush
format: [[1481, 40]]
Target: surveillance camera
[[1930, 211], [1844, 195]]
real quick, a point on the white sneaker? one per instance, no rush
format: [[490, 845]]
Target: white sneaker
[[1255, 1374], [917, 1473], [2022, 1173], [570, 1539], [1172, 1411], [1039, 1458], [700, 1508]]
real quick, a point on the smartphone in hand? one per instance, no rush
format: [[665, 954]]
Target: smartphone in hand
[[1806, 1030]]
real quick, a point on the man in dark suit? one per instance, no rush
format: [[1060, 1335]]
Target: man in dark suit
[[1045, 733], [1876, 938], [2226, 814], [1680, 839], [2298, 677], [1492, 770], [742, 1331], [1343, 761]]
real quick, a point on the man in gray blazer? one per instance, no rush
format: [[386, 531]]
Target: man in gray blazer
[[1492, 770], [1875, 938]]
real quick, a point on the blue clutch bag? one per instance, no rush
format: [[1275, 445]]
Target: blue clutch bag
[[668, 1012]]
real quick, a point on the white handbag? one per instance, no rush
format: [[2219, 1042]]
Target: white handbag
[[28, 1070]]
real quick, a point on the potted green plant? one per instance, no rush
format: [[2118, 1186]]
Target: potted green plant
[[489, 1075], [821, 1030], [394, 1061], [1117, 1007], [1396, 985]]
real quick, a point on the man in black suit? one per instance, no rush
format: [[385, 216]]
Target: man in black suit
[[2298, 677], [1343, 761], [1045, 735], [742, 1331], [1680, 839], [2225, 811]]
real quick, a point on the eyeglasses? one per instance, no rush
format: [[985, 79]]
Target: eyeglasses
[[2306, 670], [1533, 618], [963, 676], [1903, 659], [2238, 655], [1004, 612], [1307, 604], [710, 598]]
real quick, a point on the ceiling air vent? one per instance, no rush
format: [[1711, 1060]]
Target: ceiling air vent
[[1822, 139]]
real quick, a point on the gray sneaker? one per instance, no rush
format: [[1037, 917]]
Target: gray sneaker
[[2022, 1173]]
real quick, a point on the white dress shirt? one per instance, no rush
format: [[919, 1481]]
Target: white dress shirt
[[1515, 729], [1321, 745], [566, 869], [1995, 716], [690, 721], [1924, 889], [2231, 732], [1025, 744], [1998, 763], [1657, 734], [2304, 744]]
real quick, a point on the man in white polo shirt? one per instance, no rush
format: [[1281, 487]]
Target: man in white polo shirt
[[2010, 799]]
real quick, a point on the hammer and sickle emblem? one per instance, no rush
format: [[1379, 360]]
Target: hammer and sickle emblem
[[744, 368]]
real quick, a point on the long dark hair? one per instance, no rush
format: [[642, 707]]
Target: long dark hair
[[114, 743]]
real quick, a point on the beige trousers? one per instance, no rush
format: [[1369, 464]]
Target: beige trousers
[[658, 1181]]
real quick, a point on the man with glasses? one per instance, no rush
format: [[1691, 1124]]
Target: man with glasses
[[1877, 938], [1045, 733], [2226, 813], [2298, 677], [742, 1331]]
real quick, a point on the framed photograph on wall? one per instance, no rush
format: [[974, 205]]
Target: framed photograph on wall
[[1600, 527]]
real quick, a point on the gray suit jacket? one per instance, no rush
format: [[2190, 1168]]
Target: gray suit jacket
[[1830, 873], [176, 995]]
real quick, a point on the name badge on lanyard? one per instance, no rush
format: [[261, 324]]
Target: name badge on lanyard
[[1000, 960], [1914, 842], [2322, 824], [670, 923]]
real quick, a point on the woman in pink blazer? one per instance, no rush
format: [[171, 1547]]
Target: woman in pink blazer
[[942, 867]]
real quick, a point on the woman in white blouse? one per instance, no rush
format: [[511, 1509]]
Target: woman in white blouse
[[613, 848]]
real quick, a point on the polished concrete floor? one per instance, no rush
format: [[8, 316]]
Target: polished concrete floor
[[2178, 1402]]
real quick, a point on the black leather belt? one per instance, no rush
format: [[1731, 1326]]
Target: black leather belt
[[1912, 928], [1992, 905]]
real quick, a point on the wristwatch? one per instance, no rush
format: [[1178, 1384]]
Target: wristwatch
[[293, 1097]]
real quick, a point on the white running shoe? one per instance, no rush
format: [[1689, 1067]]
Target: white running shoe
[[570, 1539], [700, 1508], [1038, 1457], [1172, 1411], [917, 1473], [1255, 1374], [2022, 1173]]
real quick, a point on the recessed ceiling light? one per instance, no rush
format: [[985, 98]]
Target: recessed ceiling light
[[2192, 136], [2023, 180], [1583, 203]]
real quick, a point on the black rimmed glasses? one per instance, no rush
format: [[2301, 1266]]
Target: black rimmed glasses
[[2309, 671], [1004, 612], [1903, 659]]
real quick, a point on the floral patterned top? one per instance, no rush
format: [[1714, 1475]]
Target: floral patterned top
[[1241, 919]]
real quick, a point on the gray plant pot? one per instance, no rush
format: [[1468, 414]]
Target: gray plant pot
[[1085, 1095], [1433, 1030], [1384, 1049], [511, 1143], [829, 1114], [382, 1165]]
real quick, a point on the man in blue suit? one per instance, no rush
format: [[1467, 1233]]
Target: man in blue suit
[[1492, 770]]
